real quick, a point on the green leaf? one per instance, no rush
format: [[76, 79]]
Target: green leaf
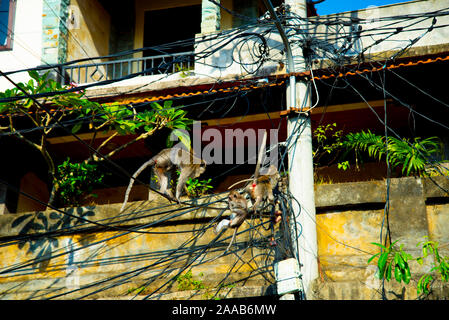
[[372, 257], [379, 245], [183, 137], [381, 264], [388, 272], [423, 284], [168, 104], [406, 275], [77, 127], [397, 257], [397, 273], [35, 75]]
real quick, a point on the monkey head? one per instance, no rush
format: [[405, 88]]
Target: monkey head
[[236, 200], [233, 196]]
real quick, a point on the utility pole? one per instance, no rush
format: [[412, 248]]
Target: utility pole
[[300, 159]]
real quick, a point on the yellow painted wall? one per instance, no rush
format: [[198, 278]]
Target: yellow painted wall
[[344, 238], [104, 254], [89, 30], [344, 242]]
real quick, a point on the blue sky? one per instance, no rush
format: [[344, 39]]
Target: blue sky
[[335, 6]]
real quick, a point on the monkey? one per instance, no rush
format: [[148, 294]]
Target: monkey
[[239, 212], [164, 163], [263, 186]]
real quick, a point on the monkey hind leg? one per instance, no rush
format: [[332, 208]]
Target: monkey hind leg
[[164, 178], [181, 183], [270, 197], [257, 204]]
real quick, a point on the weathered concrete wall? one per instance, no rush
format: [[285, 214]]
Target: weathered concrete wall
[[252, 52], [373, 30], [89, 32], [351, 216], [238, 57], [115, 261], [147, 245]]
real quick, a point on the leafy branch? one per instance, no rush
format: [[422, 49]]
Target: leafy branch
[[393, 259], [26, 120], [77, 180], [125, 120], [27, 112], [440, 265], [327, 142], [411, 155]]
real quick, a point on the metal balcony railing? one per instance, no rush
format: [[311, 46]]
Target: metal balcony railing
[[116, 69]]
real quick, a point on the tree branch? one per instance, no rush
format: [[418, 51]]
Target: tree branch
[[123, 146], [105, 142]]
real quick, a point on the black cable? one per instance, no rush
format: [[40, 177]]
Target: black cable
[[387, 196]]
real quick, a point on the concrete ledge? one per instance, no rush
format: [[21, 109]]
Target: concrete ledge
[[372, 290], [353, 193], [436, 187], [349, 193], [155, 210], [212, 294], [157, 207]]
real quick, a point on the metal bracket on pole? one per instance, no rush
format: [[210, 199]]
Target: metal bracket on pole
[[295, 111], [288, 50]]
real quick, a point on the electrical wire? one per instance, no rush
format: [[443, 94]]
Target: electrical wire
[[290, 143]]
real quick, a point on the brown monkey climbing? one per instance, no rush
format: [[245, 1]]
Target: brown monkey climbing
[[262, 187], [164, 164]]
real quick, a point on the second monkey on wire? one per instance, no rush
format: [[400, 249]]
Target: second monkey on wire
[[239, 212]]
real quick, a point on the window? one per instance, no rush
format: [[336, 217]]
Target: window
[[7, 9], [170, 25]]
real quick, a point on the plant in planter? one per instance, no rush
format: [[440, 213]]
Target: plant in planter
[[327, 144], [412, 156], [76, 181], [393, 260]]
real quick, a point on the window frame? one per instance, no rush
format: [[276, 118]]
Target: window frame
[[10, 31]]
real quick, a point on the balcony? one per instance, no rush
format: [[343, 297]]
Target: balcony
[[124, 68]]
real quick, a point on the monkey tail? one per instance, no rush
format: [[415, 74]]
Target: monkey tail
[[131, 181], [238, 182], [232, 240], [229, 245]]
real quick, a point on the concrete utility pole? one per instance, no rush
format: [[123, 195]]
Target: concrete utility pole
[[300, 161], [299, 134]]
